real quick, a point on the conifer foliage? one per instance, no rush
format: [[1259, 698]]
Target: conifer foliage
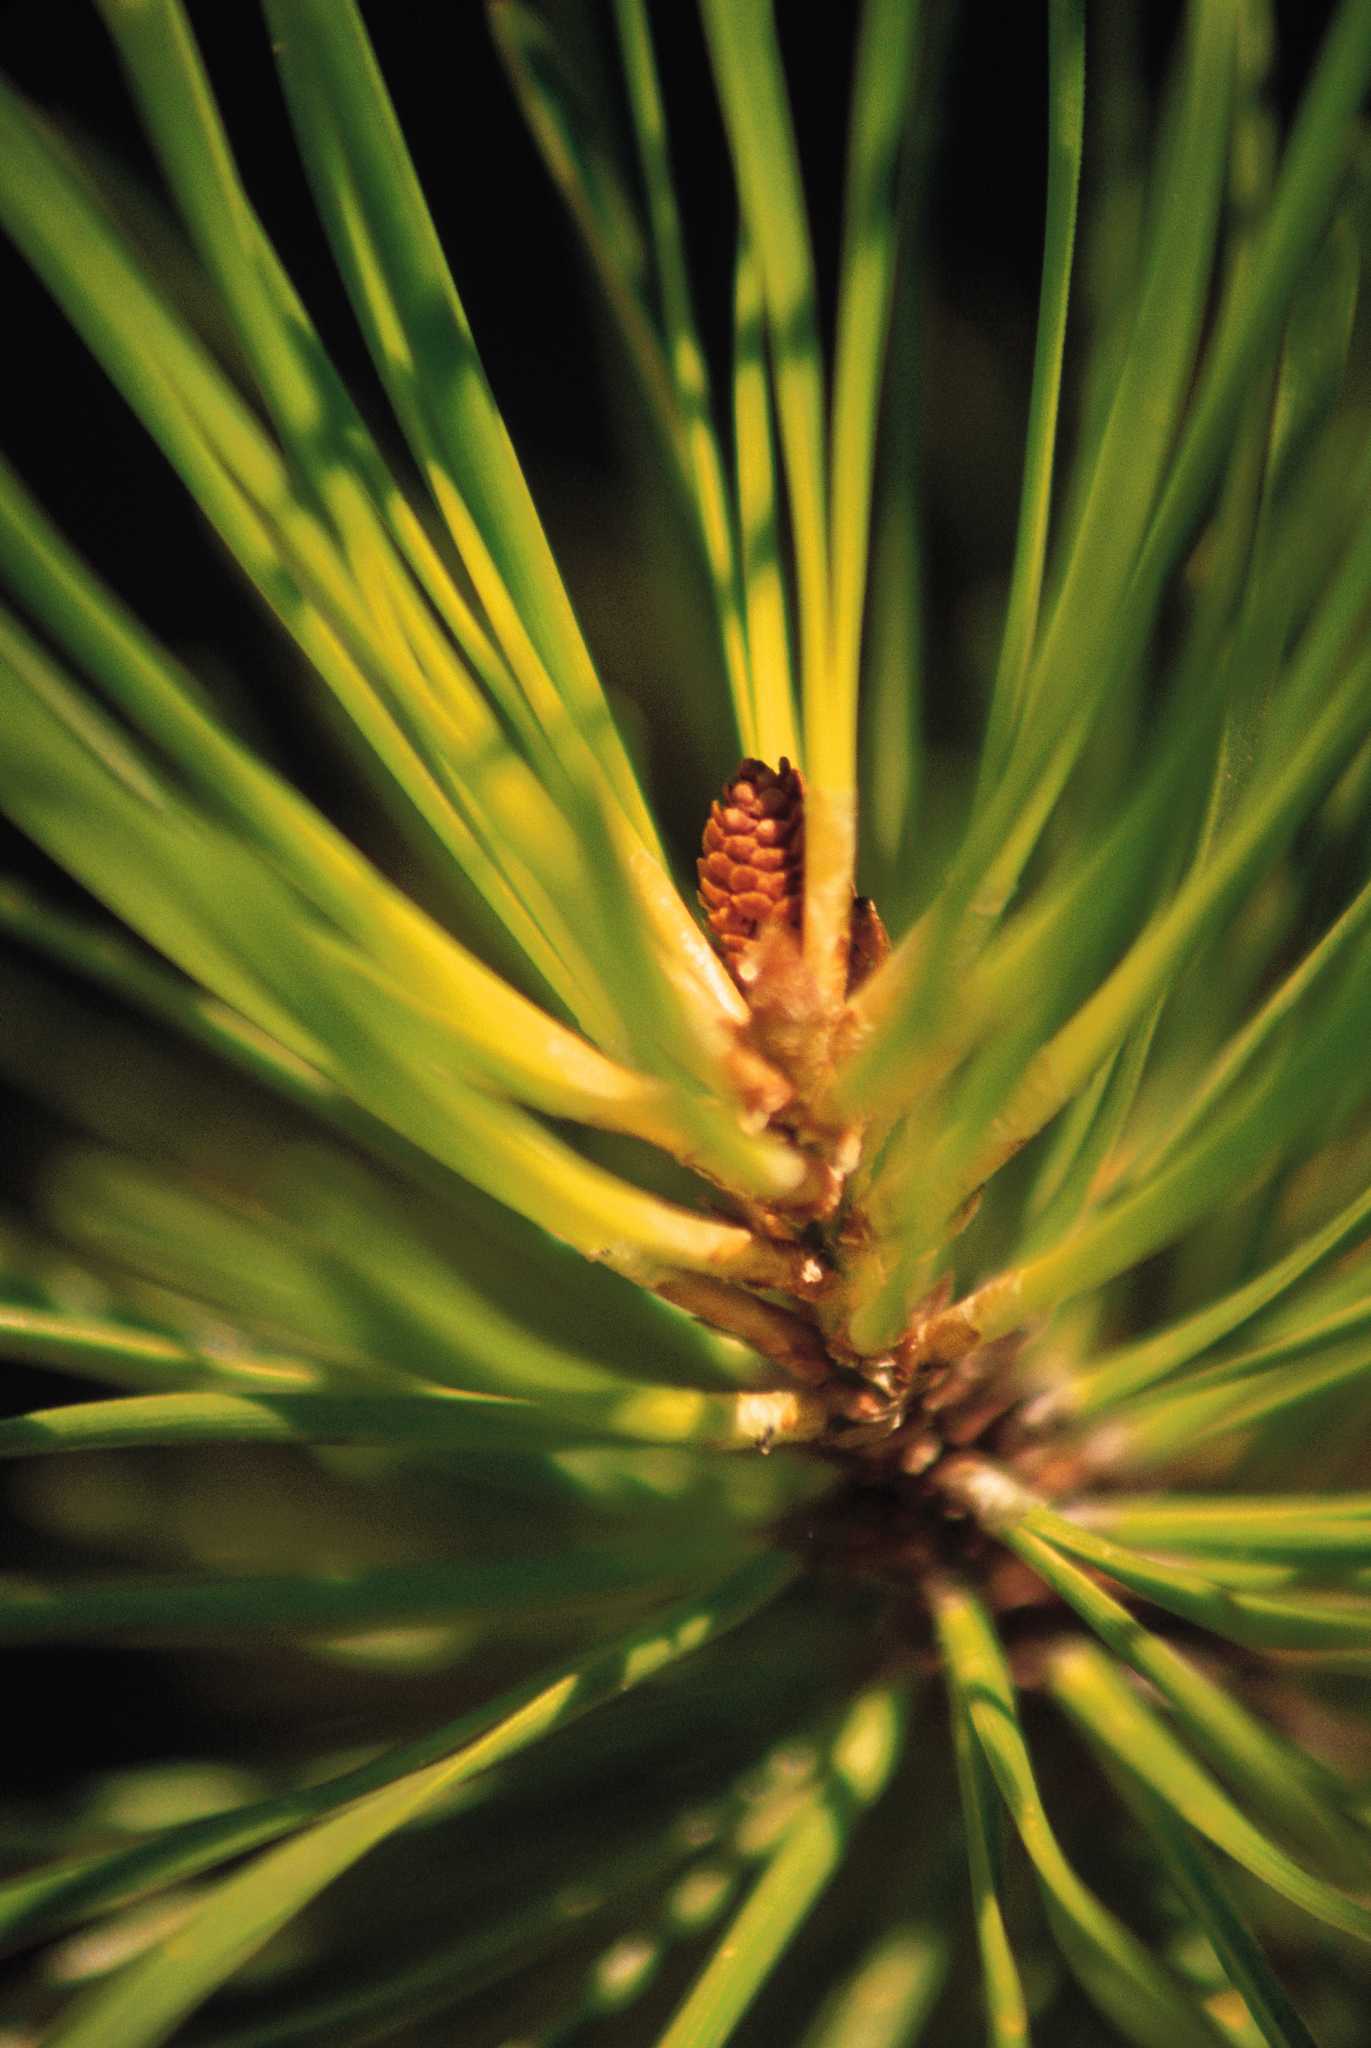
[[780, 1467]]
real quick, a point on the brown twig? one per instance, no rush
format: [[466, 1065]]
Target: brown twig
[[776, 1333]]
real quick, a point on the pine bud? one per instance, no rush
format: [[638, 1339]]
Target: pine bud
[[752, 866]]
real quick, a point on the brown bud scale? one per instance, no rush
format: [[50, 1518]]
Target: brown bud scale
[[751, 867]]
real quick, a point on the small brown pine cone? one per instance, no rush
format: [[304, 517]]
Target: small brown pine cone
[[752, 866]]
